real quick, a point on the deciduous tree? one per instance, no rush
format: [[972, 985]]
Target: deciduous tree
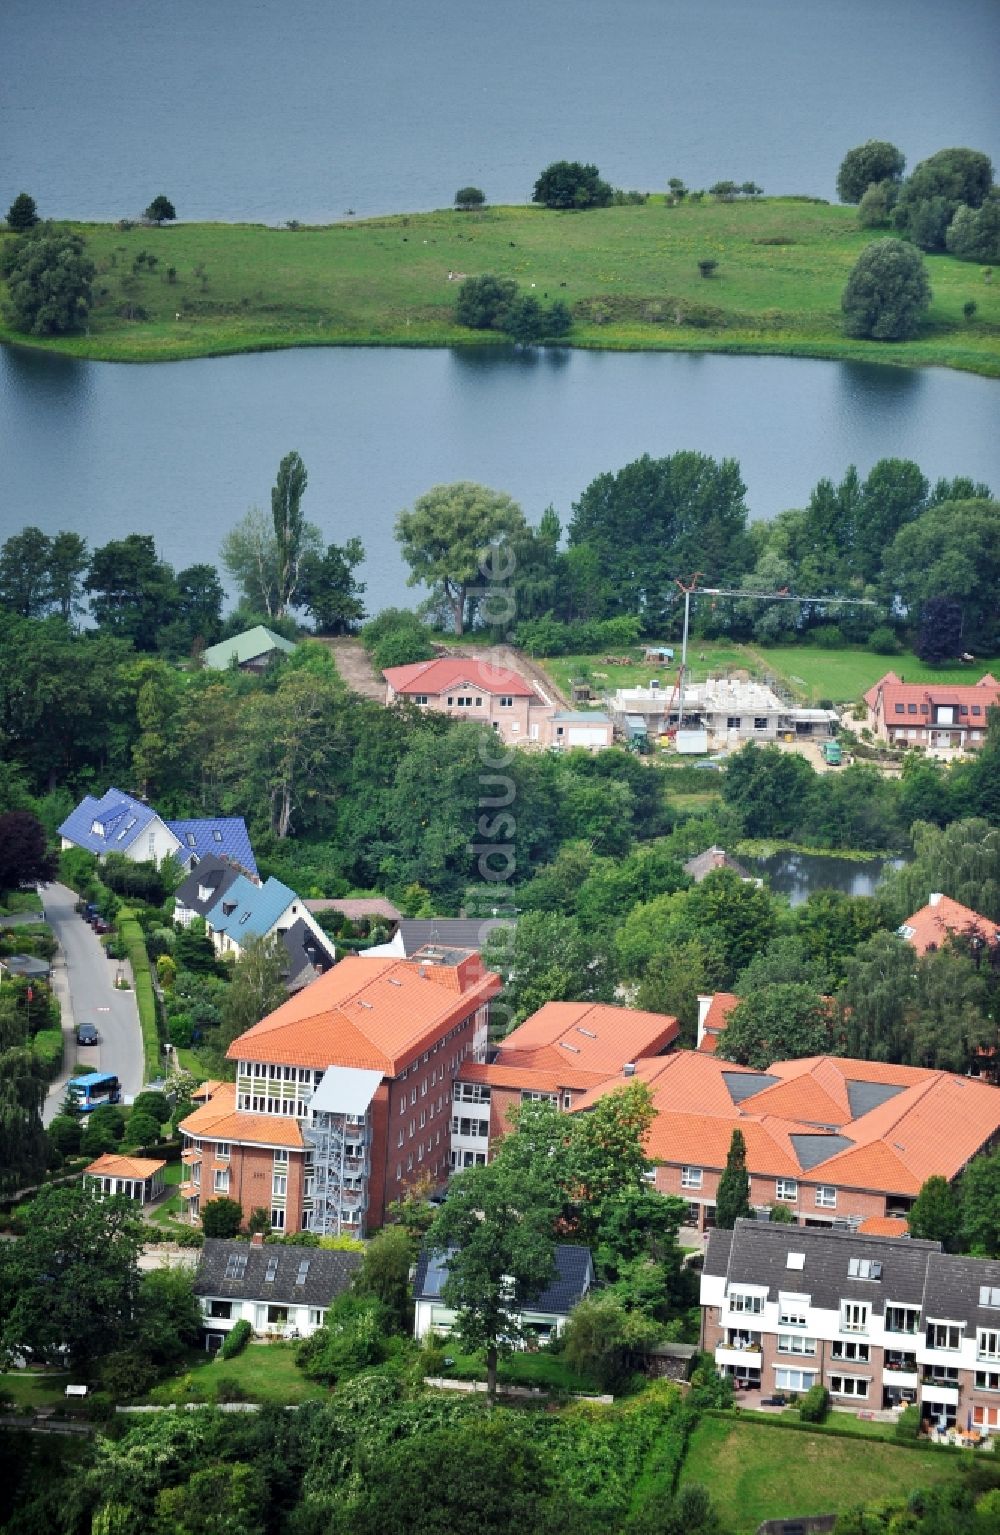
[[468, 198], [24, 855], [887, 293], [936, 1214], [447, 537], [256, 989], [873, 161], [49, 279], [569, 184], [980, 1193], [781, 1022], [953, 549], [160, 209], [550, 960], [330, 591]]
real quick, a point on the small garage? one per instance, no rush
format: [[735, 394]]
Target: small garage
[[587, 728]]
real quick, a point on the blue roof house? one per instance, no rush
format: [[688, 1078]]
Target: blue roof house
[[218, 836], [245, 911], [546, 1314], [117, 823]]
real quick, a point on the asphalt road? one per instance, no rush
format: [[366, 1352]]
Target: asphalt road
[[87, 992]]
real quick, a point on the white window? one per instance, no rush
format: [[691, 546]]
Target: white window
[[786, 1189], [853, 1316], [221, 1180], [281, 1159], [826, 1197], [987, 1344], [739, 1300], [902, 1319], [792, 1311], [793, 1380], [317, 1316], [222, 1151], [946, 1335], [845, 1348], [848, 1385], [690, 1177], [506, 701], [420, 698], [279, 1186], [989, 1296], [795, 1343]]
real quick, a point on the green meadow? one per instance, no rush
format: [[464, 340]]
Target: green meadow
[[630, 275]]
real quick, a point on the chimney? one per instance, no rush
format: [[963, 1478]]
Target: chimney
[[934, 898], [628, 1069], [257, 1240]]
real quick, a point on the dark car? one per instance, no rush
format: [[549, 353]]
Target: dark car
[[86, 1034]]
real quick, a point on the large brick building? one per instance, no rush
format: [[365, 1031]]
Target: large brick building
[[834, 1140], [556, 1055], [879, 1321], [945, 716], [342, 1095]]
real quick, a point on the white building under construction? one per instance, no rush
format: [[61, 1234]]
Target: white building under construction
[[717, 713]]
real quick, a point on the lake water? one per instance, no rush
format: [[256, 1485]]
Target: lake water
[[182, 449], [279, 109], [798, 875]]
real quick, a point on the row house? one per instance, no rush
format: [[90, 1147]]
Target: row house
[[496, 696], [342, 1098], [937, 714], [281, 1291], [879, 1321], [555, 1056], [836, 1141], [119, 823]]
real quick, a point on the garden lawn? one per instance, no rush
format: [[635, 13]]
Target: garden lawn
[[844, 675], [755, 1471], [265, 1372], [629, 274], [35, 1391]]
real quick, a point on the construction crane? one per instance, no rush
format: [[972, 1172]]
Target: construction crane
[[692, 589]]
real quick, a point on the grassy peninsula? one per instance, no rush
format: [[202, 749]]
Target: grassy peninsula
[[630, 275]]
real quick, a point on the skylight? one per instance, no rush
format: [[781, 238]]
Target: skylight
[[191, 839], [989, 1295], [245, 918], [575, 1049], [588, 1032], [795, 1261], [272, 1270], [236, 1265], [300, 1277], [97, 828], [216, 836], [864, 1268]]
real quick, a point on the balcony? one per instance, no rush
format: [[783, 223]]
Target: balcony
[[190, 1156], [748, 1358], [936, 1395], [188, 1190], [908, 1379]]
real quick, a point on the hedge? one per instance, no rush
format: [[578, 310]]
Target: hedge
[[48, 1048], [133, 938], [237, 1339], [796, 1426]]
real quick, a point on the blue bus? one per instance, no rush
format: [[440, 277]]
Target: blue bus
[[93, 1090]]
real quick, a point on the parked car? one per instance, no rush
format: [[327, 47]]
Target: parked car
[[86, 1034], [100, 926]]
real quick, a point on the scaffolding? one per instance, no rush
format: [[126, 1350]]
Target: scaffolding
[[340, 1136]]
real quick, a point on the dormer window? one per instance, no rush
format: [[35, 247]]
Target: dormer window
[[97, 828], [206, 894], [228, 907]]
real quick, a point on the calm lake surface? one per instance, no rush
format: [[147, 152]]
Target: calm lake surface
[[798, 875], [277, 109], [182, 449]]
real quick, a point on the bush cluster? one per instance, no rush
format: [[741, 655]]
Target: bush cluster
[[236, 1340], [815, 1405], [549, 637]]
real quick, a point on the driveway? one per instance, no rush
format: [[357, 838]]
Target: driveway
[[84, 983]]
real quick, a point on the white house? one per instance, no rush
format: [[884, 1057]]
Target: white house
[[547, 1315], [281, 1291]]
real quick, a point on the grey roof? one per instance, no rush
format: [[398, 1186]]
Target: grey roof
[[812, 1149], [953, 1289], [26, 965], [865, 1096], [756, 1253], [308, 956], [345, 1090], [743, 1084], [448, 932], [574, 1276], [212, 873], [325, 1274], [582, 717]]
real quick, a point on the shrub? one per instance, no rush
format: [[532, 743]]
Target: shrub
[[260, 1221], [707, 266], [221, 1217], [815, 1405], [230, 1390], [827, 637], [883, 641], [131, 935], [403, 648], [908, 1422], [66, 1133], [47, 1046], [156, 1105], [468, 198], [236, 1340], [142, 1130]]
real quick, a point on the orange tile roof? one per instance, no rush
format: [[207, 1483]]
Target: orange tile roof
[[446, 672], [220, 1120], [204, 1090], [933, 1125], [530, 1078], [111, 1166], [933, 924], [377, 1014], [884, 1226], [985, 692], [716, 1019], [589, 1036]]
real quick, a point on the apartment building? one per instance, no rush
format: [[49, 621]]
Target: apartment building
[[342, 1098], [555, 1056], [879, 1321], [836, 1141]]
